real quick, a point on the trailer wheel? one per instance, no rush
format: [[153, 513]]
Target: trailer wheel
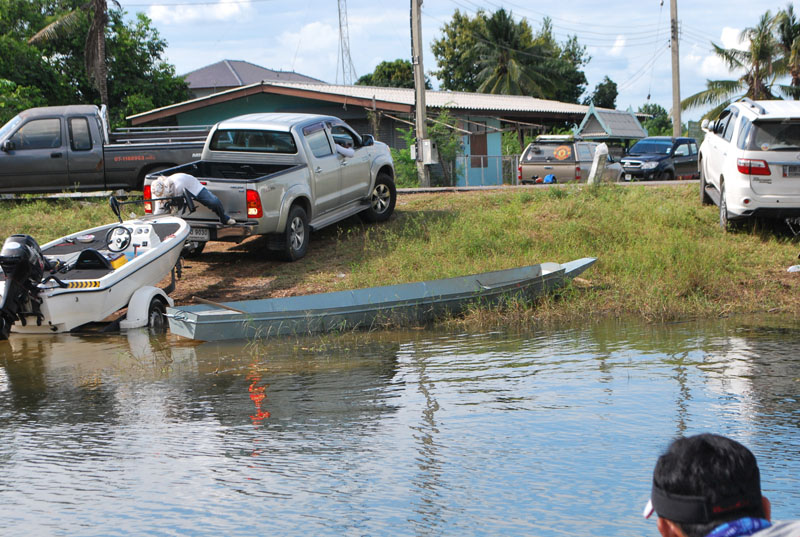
[[193, 249], [156, 316]]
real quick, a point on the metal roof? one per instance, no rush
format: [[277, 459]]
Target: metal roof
[[385, 99], [236, 73], [606, 124]]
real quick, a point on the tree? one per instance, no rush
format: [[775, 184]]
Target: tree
[[493, 53], [604, 95], [788, 36], [14, 98], [659, 124], [757, 62], [95, 47], [455, 52], [505, 50], [396, 74]]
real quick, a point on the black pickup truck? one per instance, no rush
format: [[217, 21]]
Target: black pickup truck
[[660, 158], [71, 148]]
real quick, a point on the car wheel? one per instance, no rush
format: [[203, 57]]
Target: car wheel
[[666, 175], [156, 316], [382, 200], [193, 249], [723, 209], [705, 199], [296, 235]]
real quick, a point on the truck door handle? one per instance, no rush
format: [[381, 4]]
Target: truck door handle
[[55, 155], [317, 170], [343, 163]]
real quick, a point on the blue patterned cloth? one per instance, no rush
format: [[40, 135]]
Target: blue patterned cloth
[[737, 528]]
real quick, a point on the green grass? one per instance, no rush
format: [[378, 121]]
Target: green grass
[[661, 255]]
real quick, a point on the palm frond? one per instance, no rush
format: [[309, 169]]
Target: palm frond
[[61, 26], [716, 91]]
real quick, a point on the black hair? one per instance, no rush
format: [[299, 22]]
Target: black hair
[[713, 467]]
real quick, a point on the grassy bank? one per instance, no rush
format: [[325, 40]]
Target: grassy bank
[[661, 254]]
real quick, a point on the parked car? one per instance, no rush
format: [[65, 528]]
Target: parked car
[[750, 161], [280, 175], [57, 148], [565, 158], [661, 158]]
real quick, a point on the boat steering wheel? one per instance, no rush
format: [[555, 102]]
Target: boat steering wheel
[[118, 238]]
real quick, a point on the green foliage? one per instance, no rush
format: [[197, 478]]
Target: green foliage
[[396, 74], [495, 54], [604, 95], [405, 168], [658, 125], [138, 76], [14, 98]]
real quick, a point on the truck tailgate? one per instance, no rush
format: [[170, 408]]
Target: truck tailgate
[[231, 192]]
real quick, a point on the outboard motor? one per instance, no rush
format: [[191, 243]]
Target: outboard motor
[[23, 267]]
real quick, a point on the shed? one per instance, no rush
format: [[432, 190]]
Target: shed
[[610, 125]]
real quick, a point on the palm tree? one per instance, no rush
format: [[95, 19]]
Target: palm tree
[[788, 34], [95, 49], [760, 65], [503, 50]]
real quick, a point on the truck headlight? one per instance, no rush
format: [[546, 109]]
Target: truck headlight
[[649, 165]]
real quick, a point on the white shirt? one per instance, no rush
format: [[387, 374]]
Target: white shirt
[[184, 181], [345, 151]]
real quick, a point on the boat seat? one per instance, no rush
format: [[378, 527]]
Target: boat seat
[[90, 258]]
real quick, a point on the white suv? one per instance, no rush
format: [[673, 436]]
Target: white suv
[[750, 161]]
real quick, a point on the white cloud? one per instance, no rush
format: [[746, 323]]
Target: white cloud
[[221, 11], [730, 38], [619, 46]]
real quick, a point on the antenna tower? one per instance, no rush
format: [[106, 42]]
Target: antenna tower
[[344, 61]]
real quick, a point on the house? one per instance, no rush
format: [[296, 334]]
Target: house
[[229, 74], [480, 119]]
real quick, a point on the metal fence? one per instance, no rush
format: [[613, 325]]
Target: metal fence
[[486, 170]]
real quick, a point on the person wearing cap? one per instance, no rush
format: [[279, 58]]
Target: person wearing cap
[[178, 183], [710, 486]]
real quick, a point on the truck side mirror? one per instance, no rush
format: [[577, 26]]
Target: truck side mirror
[[7, 146], [367, 139], [704, 125]]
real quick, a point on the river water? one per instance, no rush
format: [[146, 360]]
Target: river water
[[390, 433]]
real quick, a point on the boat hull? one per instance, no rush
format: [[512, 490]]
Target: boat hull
[[395, 305], [91, 296]]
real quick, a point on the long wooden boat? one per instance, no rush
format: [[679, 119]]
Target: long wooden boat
[[392, 305]]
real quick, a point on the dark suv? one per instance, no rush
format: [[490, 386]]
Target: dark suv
[[661, 158]]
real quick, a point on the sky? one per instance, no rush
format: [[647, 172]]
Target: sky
[[628, 40]]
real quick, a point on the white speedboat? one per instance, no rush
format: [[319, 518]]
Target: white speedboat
[[87, 276]]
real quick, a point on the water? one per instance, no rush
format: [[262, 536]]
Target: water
[[401, 433]]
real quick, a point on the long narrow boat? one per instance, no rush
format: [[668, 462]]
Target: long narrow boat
[[393, 305]]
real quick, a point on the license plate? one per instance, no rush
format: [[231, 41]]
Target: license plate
[[628, 177], [198, 234], [791, 170]]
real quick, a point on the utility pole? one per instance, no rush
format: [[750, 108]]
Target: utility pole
[[676, 74], [419, 91]]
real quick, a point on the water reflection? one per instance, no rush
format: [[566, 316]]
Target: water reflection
[[402, 433]]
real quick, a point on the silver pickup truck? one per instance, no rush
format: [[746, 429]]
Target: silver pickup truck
[[58, 148], [280, 175]]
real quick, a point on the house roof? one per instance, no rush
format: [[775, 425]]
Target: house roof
[[602, 123], [385, 99], [235, 73]]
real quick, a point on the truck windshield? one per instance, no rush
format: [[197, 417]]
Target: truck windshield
[[253, 141], [9, 127], [651, 147], [549, 152], [775, 136]]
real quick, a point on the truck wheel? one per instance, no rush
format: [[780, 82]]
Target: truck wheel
[[705, 199], [666, 175], [156, 316], [296, 235], [724, 222], [382, 200]]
